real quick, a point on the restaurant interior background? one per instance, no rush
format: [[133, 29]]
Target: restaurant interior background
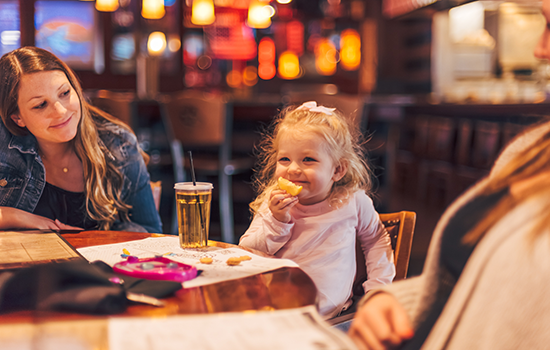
[[438, 86]]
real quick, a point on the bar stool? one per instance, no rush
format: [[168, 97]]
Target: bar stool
[[436, 170], [486, 144]]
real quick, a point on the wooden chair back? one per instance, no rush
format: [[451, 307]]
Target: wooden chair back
[[120, 105], [400, 227], [465, 132], [486, 144], [196, 119], [441, 138]]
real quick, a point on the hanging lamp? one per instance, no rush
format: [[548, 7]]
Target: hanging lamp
[[106, 5], [202, 12], [156, 43], [259, 15], [152, 9]]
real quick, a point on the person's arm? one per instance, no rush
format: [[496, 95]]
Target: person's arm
[[376, 245], [266, 233], [12, 218]]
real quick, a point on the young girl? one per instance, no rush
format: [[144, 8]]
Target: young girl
[[314, 147]]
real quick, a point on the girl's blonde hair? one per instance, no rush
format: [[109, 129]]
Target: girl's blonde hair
[[343, 141], [103, 181], [524, 165]]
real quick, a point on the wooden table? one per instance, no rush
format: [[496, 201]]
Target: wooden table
[[284, 288]]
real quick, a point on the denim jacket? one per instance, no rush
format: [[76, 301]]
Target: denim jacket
[[23, 175]]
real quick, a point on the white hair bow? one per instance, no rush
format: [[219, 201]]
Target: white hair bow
[[312, 106]]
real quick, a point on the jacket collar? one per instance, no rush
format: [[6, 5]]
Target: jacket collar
[[24, 144]]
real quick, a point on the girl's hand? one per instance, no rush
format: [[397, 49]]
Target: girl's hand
[[280, 203], [11, 218], [381, 323]]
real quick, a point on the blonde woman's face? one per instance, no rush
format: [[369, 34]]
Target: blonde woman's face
[[49, 107], [303, 159], [542, 51]]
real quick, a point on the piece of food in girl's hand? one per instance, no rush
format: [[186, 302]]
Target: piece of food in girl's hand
[[289, 186]]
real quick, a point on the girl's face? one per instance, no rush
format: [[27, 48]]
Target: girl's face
[[48, 106], [303, 159], [542, 51]]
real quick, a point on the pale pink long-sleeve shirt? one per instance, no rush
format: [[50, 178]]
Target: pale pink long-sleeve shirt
[[321, 240]]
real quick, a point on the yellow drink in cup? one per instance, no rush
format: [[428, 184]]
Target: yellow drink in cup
[[193, 203]]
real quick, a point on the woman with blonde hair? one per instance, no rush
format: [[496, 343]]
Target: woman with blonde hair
[[487, 272], [65, 164], [317, 150]]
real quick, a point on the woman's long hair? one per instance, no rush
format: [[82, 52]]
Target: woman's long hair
[[524, 165], [343, 142], [103, 181]]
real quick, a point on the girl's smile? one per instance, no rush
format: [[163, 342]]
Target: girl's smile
[[305, 161]]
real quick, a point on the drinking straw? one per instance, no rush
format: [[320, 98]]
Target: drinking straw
[[192, 168], [197, 195]]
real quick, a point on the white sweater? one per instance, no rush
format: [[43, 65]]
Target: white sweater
[[501, 298], [321, 240]]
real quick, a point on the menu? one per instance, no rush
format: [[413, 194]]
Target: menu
[[216, 271], [27, 248], [289, 329], [299, 328]]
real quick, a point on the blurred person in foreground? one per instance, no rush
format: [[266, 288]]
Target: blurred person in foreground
[[65, 164], [487, 272]]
